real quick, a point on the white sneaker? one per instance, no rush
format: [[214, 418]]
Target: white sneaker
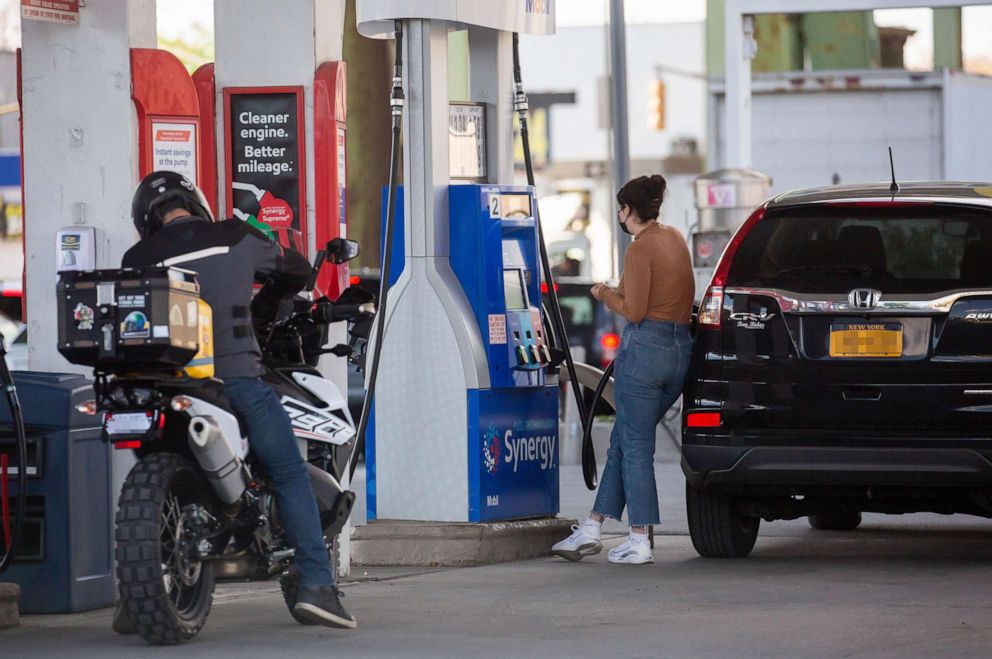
[[584, 541], [634, 551]]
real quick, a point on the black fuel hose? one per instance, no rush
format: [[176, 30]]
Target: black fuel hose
[[589, 472], [596, 397], [396, 102], [7, 381]]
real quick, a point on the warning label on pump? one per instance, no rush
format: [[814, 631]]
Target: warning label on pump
[[174, 148], [497, 329], [53, 11], [265, 160]]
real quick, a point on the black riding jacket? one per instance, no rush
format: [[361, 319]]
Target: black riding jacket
[[228, 257]]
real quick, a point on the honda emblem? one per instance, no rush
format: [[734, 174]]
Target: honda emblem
[[864, 298]]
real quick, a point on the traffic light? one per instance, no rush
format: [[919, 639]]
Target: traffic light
[[656, 105]]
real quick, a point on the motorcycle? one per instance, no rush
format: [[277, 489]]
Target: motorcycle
[[197, 508]]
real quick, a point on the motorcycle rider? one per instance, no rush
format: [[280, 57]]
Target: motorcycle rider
[[177, 229]]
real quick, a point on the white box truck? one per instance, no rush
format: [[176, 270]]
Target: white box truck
[[823, 127]]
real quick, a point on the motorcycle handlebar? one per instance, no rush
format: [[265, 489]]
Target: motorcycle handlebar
[[326, 311]]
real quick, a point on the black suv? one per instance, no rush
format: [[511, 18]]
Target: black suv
[[843, 363]]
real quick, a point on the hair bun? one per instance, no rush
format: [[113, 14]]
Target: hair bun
[[644, 195], [656, 184]]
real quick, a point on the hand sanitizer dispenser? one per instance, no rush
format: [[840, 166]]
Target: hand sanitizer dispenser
[[75, 249]]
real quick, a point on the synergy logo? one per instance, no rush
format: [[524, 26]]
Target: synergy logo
[[540, 449], [490, 449], [538, 7]]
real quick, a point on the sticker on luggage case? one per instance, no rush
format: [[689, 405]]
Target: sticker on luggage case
[[83, 315], [131, 301], [135, 326]]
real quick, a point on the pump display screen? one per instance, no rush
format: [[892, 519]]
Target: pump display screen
[[513, 289], [510, 205], [515, 205]]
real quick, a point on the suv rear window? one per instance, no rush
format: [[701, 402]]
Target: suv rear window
[[896, 249]]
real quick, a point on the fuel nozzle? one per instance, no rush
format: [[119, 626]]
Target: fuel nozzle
[[397, 99], [556, 357], [520, 104]]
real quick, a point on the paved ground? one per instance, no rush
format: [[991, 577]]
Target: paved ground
[[877, 593], [909, 586]]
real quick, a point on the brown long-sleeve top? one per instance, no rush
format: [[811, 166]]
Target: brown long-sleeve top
[[657, 281]]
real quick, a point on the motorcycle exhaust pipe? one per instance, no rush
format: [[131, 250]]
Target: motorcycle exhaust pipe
[[219, 462]]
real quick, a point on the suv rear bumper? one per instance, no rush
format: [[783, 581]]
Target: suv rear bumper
[[708, 466]]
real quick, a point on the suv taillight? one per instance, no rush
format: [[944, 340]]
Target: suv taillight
[[710, 311]]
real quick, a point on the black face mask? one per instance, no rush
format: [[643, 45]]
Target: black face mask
[[623, 225]]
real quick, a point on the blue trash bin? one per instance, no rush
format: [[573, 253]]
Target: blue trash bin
[[65, 559]]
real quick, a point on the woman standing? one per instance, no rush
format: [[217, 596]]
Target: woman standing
[[655, 297]]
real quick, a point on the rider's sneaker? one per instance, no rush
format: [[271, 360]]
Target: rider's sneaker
[[323, 606], [636, 550], [584, 541]]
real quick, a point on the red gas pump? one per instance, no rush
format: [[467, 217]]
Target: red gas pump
[[330, 167], [206, 93], [168, 114]]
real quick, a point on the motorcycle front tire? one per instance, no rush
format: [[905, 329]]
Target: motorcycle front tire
[[167, 596]]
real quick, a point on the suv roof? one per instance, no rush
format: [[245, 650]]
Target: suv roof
[[972, 193]]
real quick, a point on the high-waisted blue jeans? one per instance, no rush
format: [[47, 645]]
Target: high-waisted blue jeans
[[648, 374]]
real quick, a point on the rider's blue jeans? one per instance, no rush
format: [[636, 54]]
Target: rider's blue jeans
[[270, 436], [648, 375]]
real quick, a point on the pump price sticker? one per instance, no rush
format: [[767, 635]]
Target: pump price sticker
[[497, 329]]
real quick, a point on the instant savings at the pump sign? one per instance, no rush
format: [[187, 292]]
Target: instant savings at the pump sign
[[265, 158]]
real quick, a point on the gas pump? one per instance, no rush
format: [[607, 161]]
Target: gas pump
[[513, 425], [168, 114], [330, 168], [465, 412]]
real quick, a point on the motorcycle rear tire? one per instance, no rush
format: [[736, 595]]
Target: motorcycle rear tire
[[165, 609]]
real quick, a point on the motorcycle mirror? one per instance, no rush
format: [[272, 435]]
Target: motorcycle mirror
[[317, 265], [342, 250]]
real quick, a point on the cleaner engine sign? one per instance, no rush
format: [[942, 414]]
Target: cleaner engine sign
[[266, 163]]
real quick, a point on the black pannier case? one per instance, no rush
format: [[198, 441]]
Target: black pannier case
[[128, 319]]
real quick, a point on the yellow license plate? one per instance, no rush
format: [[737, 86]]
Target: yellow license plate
[[866, 340]]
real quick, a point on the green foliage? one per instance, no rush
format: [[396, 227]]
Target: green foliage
[[193, 49]]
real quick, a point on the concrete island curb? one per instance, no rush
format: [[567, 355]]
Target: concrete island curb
[[443, 544]]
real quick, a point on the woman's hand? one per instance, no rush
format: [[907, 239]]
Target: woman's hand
[[598, 289]]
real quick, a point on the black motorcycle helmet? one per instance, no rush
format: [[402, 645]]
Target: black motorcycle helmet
[[161, 192]]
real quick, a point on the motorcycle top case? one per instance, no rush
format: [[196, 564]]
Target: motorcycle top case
[[129, 319]]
